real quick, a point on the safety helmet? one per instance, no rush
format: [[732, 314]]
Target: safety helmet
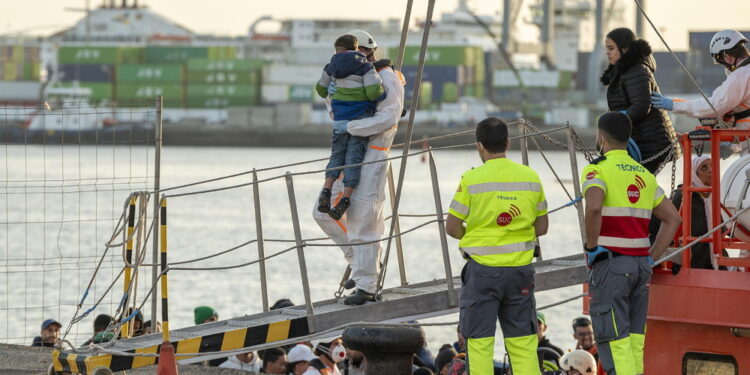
[[724, 40], [364, 39], [580, 360]]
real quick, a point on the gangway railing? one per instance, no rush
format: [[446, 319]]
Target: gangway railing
[[316, 315]]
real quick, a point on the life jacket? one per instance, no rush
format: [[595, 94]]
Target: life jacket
[[318, 365]]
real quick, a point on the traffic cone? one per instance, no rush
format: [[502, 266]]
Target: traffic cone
[[167, 361]]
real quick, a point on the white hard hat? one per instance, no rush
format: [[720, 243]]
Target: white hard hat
[[364, 38], [724, 40], [580, 360]]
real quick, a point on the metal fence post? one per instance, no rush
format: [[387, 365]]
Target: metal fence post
[[259, 234], [524, 143], [125, 329], [164, 287], [441, 227], [397, 233], [300, 252], [576, 181], [158, 129]]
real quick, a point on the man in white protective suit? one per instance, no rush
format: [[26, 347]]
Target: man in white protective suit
[[732, 98], [363, 221]]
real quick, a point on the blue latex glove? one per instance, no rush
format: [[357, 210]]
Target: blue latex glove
[[725, 150], [331, 88], [591, 255], [651, 261], [661, 102]]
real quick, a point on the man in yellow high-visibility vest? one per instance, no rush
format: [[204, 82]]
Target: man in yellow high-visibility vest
[[621, 195], [503, 207]]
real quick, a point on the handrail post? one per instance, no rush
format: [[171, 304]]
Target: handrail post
[[259, 234], [576, 182], [164, 287], [524, 144], [300, 252], [157, 185], [399, 246], [125, 329], [452, 301]]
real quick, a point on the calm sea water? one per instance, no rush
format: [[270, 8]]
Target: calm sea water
[[59, 206]]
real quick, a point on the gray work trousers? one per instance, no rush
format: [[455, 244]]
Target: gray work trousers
[[506, 294], [618, 288]]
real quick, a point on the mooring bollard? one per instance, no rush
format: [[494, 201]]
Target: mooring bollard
[[388, 349]]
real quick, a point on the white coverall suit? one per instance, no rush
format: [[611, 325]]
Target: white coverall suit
[[732, 95], [363, 221]]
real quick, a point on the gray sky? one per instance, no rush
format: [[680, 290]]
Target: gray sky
[[232, 17]]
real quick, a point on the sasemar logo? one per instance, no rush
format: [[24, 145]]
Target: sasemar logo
[[634, 190], [506, 217]]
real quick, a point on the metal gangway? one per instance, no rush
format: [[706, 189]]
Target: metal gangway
[[313, 319]]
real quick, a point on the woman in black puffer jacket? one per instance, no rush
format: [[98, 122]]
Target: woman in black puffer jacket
[[630, 81]]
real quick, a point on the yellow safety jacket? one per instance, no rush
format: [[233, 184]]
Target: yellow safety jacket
[[499, 201], [630, 194]]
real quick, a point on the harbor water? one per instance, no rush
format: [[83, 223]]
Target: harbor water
[[54, 232]]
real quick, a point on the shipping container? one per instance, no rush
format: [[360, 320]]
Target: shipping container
[[441, 55], [223, 52], [150, 73], [170, 91], [10, 71], [450, 92], [233, 91], [208, 65], [174, 54], [31, 71], [425, 95], [274, 93], [241, 77], [19, 91], [301, 93], [86, 73], [99, 91], [292, 74], [88, 55], [131, 55], [220, 102]]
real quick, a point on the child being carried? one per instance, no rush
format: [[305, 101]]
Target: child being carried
[[355, 88]]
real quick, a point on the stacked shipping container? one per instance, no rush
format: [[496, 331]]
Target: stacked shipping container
[[19, 63], [449, 72], [223, 83]]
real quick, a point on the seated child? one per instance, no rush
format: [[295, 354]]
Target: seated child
[[355, 91]]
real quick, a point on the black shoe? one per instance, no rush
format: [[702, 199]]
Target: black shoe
[[324, 201], [349, 284], [359, 298], [337, 212]]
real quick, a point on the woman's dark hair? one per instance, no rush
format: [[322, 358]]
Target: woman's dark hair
[[632, 51]]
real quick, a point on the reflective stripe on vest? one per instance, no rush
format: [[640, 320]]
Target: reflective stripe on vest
[[627, 211], [460, 208], [624, 242], [502, 249], [488, 187], [380, 148], [541, 206], [593, 181]]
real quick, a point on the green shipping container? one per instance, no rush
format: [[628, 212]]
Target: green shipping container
[[88, 55], [207, 65], [425, 95], [470, 90], [230, 91], [31, 71], [143, 73], [99, 91], [301, 93], [131, 55], [220, 102], [239, 77], [174, 54], [219, 53], [450, 92], [443, 56], [170, 91]]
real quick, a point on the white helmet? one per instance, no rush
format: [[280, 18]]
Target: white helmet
[[580, 360], [364, 39], [724, 40]]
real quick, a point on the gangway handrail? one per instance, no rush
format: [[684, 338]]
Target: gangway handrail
[[415, 153]]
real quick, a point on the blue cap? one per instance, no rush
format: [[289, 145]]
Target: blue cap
[[50, 322]]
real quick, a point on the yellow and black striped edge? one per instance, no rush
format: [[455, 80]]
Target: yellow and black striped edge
[[230, 340]]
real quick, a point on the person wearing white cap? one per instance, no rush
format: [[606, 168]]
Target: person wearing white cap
[[245, 362], [578, 362], [298, 359]]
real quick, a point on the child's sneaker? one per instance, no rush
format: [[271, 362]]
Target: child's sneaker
[[337, 212], [324, 201]]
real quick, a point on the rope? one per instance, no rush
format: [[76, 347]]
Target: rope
[[574, 201]]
